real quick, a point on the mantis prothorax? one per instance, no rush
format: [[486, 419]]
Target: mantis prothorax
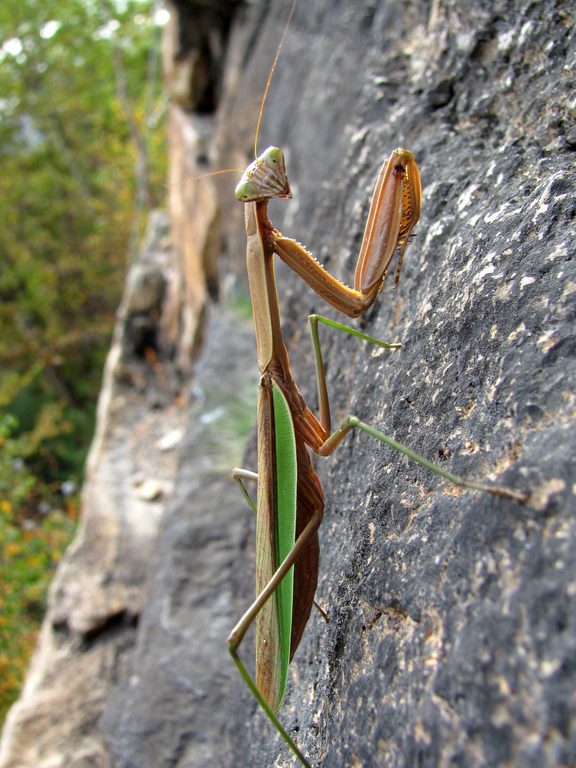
[[290, 499]]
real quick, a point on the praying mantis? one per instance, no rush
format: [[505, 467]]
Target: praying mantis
[[290, 500], [290, 503]]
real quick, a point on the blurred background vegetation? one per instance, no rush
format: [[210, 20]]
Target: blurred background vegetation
[[81, 163]]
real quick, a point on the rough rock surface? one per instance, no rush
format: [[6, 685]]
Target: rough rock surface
[[452, 634], [452, 631]]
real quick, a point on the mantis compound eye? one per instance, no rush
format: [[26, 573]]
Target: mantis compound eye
[[246, 190], [273, 156]]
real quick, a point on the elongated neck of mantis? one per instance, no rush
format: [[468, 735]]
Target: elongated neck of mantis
[[260, 268]]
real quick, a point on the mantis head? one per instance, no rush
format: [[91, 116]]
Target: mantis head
[[264, 178]]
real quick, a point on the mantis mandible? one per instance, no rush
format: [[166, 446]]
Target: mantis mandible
[[290, 503]]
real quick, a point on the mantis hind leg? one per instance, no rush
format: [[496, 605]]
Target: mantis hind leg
[[237, 634], [352, 422]]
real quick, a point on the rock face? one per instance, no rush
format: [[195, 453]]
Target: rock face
[[452, 633]]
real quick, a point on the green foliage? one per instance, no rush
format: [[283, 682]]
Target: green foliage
[[16, 482], [29, 552], [30, 547], [79, 114]]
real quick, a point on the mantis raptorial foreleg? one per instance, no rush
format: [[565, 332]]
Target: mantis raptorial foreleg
[[394, 211]]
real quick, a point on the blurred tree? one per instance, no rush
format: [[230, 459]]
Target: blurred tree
[[81, 161]]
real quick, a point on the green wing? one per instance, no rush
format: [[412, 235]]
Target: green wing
[[286, 481]]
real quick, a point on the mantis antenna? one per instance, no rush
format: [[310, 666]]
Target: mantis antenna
[[271, 74], [262, 102]]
